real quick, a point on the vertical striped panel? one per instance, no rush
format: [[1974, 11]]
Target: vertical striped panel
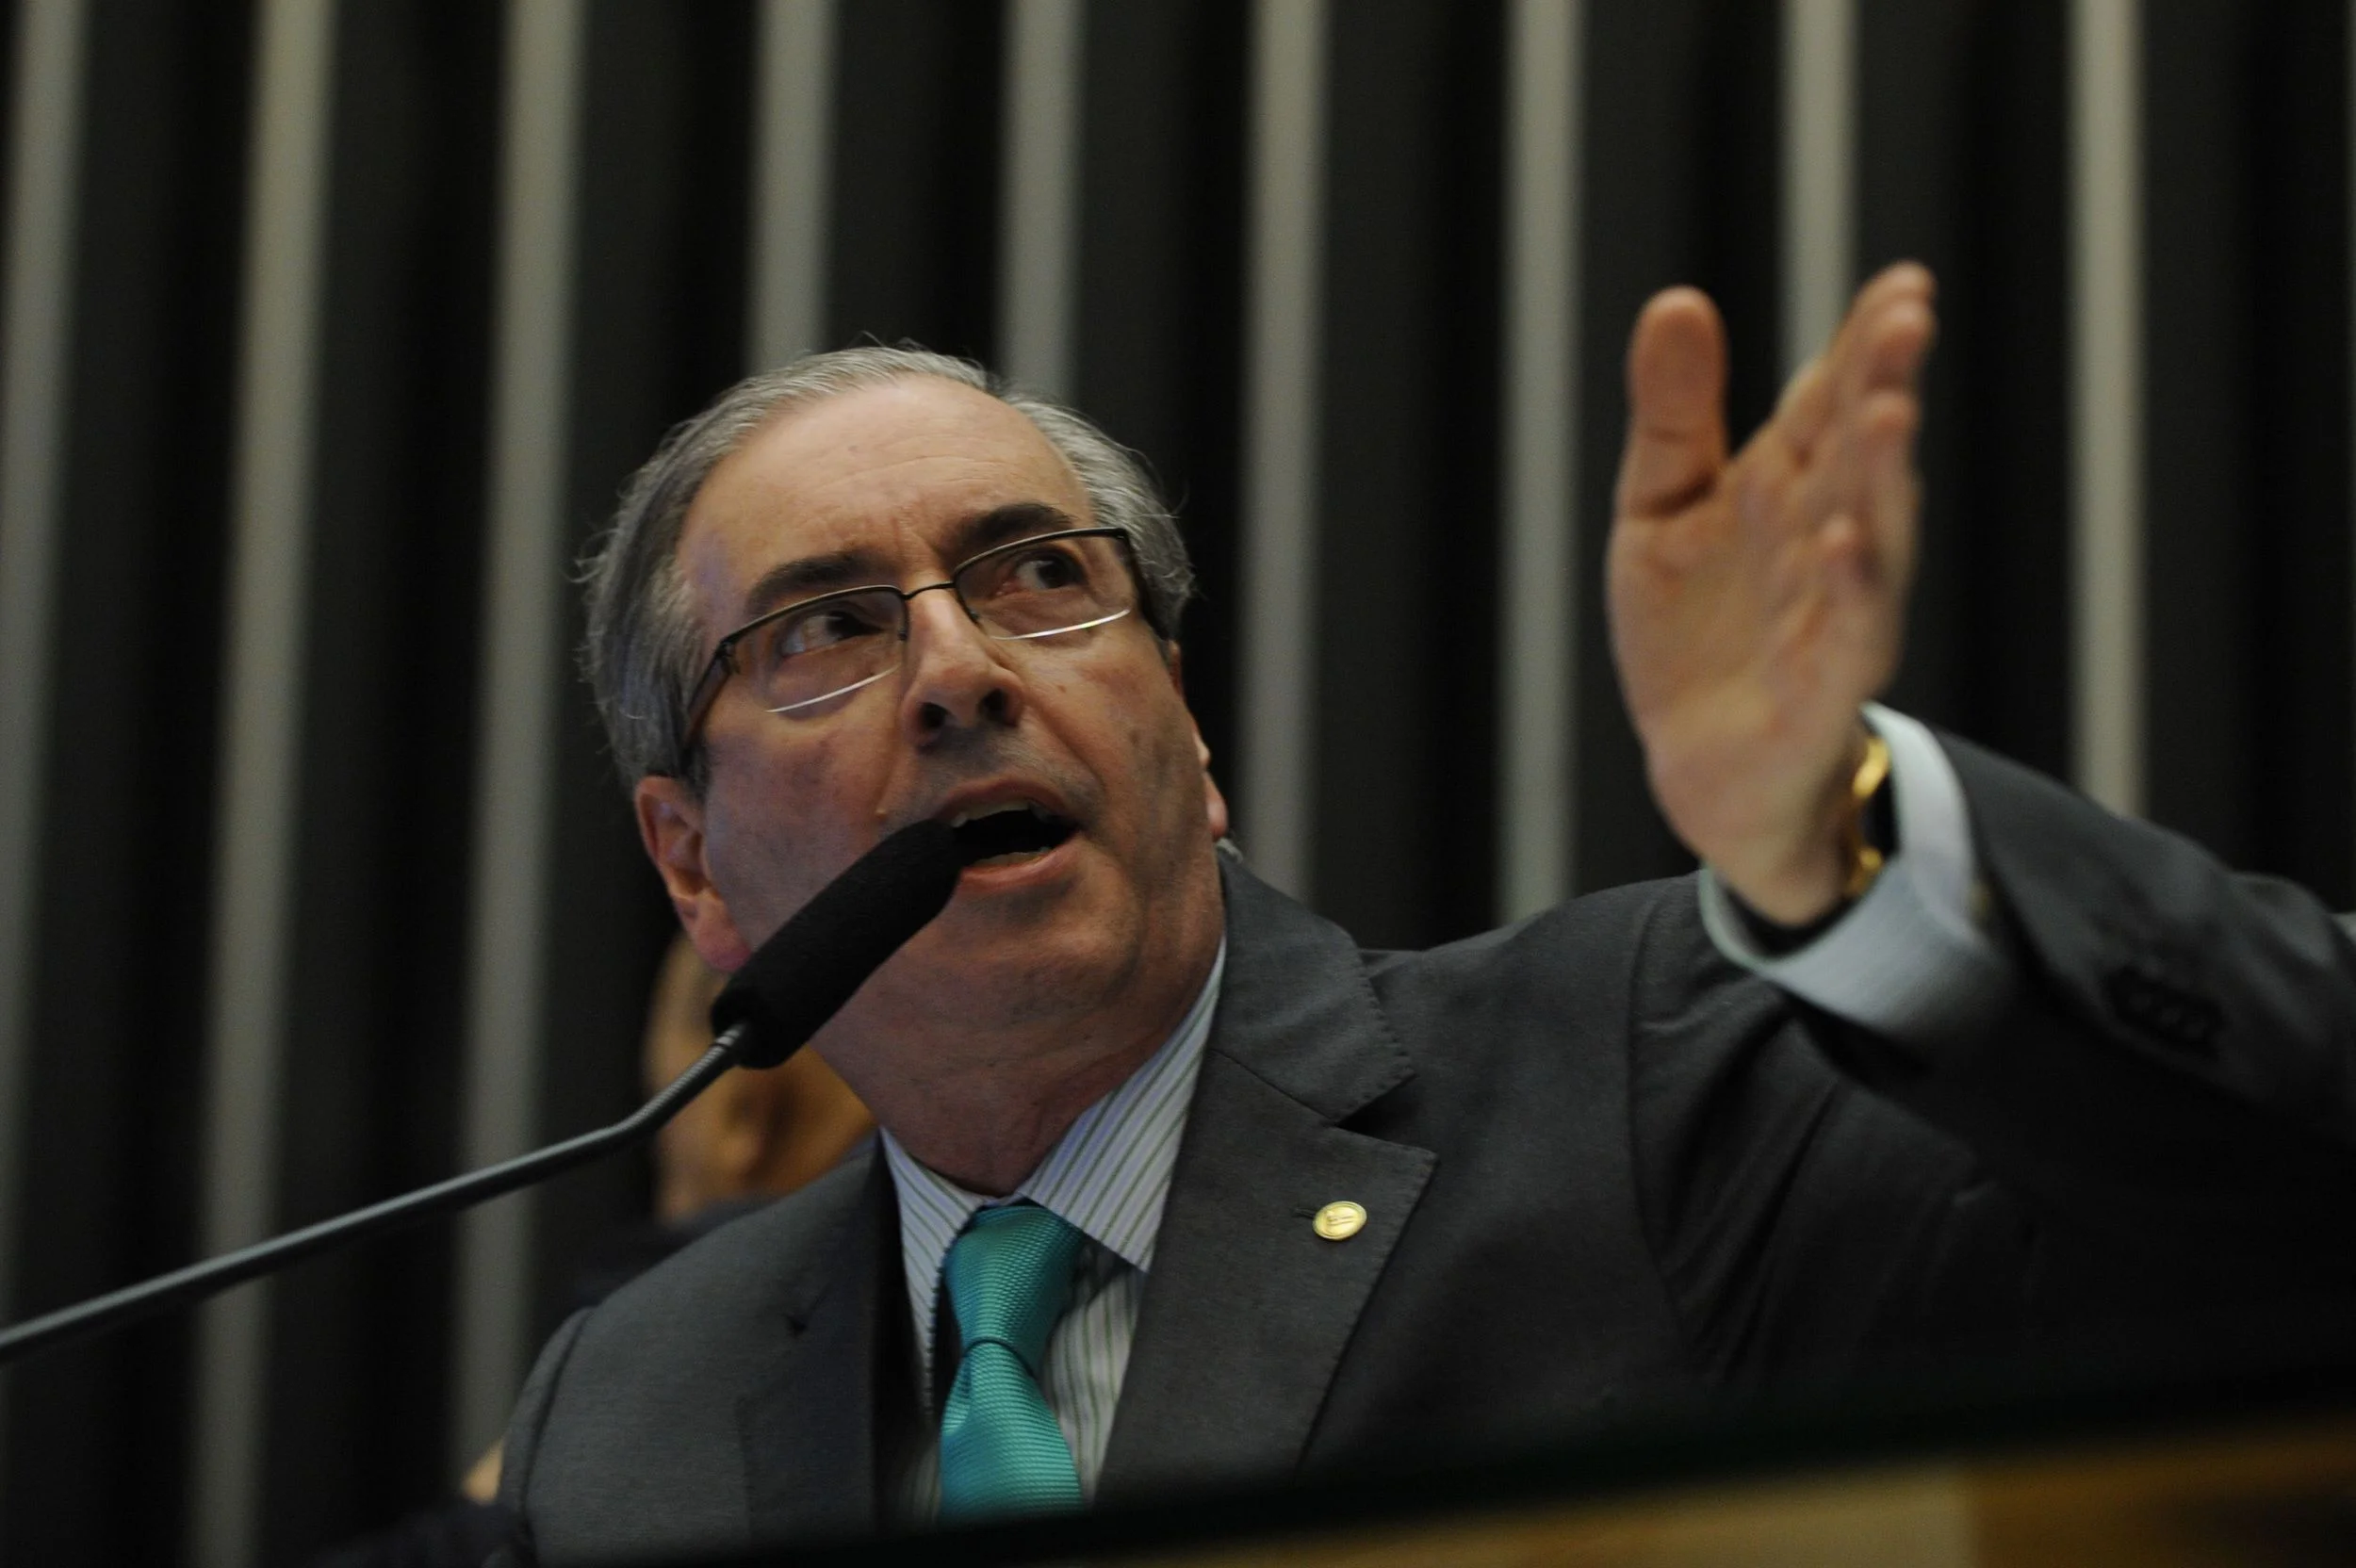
[[2107, 402], [1038, 220], [1818, 173], [260, 785], [523, 671], [1538, 586], [44, 150], [1283, 333], [794, 131]]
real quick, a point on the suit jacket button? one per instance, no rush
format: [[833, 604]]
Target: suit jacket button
[[1340, 1221]]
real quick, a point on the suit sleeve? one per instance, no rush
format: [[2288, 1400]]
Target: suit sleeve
[[2155, 1119], [520, 1448], [2175, 1066]]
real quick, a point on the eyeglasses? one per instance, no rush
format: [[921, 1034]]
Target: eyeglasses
[[829, 646]]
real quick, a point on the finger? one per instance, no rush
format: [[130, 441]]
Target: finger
[[1896, 342], [1882, 351], [1677, 384], [1886, 333], [1899, 282], [1903, 279], [1888, 319], [1863, 535], [1863, 480], [1910, 279], [1805, 409], [1892, 492]]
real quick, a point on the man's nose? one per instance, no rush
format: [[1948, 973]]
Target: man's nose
[[956, 678]]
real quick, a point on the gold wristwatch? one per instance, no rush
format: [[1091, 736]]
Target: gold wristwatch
[[1858, 853]]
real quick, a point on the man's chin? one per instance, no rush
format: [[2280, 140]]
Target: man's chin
[[1028, 947]]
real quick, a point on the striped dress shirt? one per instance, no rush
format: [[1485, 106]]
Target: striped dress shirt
[[1108, 1176]]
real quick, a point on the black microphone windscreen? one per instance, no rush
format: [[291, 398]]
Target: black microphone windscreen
[[803, 975]]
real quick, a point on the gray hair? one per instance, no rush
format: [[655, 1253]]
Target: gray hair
[[642, 652]]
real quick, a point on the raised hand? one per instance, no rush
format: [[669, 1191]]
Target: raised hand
[[1757, 600]]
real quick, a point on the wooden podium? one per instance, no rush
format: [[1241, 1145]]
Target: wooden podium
[[2251, 1465], [2283, 1495]]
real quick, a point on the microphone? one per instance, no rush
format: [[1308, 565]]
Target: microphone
[[798, 979], [803, 974]]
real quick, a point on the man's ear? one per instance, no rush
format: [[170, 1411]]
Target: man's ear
[[1213, 803], [671, 826]]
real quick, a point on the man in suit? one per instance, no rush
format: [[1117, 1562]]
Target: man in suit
[[1177, 1185]]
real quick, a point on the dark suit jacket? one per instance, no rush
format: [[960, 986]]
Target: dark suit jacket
[[1600, 1165]]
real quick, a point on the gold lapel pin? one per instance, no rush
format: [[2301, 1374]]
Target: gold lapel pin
[[1340, 1221]]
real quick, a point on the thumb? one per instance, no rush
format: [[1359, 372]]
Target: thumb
[[1677, 389]]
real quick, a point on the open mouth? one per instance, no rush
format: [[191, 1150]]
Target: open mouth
[[1010, 833]]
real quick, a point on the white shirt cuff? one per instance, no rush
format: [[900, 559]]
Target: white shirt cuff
[[1909, 960]]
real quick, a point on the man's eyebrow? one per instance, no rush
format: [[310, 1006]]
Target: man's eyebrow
[[1001, 524], [814, 574], [856, 568]]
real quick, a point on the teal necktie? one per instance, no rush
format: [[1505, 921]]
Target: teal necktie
[[1008, 1277]]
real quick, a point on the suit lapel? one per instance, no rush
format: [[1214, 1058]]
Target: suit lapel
[[809, 1419], [1247, 1310]]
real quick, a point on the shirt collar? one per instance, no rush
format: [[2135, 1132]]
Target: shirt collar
[[1108, 1175]]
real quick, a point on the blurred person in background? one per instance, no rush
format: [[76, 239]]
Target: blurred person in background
[[752, 1135], [748, 1139]]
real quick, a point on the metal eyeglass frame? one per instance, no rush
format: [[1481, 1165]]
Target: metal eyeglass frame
[[723, 662]]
